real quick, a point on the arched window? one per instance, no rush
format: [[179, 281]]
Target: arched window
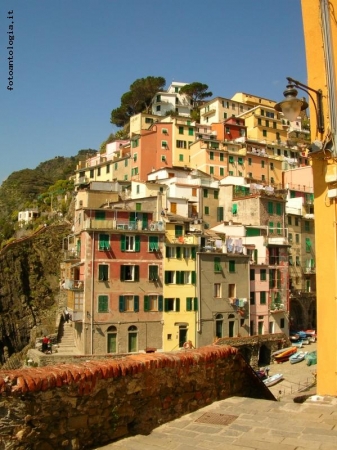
[[219, 325], [112, 339], [133, 339]]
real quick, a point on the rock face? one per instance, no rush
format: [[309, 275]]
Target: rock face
[[29, 287]]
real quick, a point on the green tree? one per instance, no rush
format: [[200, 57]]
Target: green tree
[[137, 99], [196, 91]]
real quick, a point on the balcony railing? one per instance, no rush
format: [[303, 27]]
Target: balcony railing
[[122, 225], [182, 240]]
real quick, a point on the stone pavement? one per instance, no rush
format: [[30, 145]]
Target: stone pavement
[[246, 424], [253, 424]]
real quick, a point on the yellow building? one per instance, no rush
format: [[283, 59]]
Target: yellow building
[[320, 34], [179, 290]]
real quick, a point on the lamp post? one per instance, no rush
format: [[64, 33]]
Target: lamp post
[[292, 106]]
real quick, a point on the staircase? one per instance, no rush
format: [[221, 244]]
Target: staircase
[[66, 344]]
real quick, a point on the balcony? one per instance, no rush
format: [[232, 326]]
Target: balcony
[[182, 240], [123, 225], [73, 285], [81, 180]]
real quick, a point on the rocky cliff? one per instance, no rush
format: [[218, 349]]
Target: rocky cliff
[[29, 288]]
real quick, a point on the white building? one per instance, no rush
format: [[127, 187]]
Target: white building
[[171, 100]]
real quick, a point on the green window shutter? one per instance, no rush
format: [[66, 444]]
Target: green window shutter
[[122, 243], [136, 303], [240, 161], [193, 252], [262, 298], [232, 266], [78, 246], [103, 272], [103, 303], [178, 252], [160, 302], [278, 228], [220, 214], [195, 304], [279, 209], [231, 159], [146, 303], [234, 208], [263, 274], [100, 215], [190, 131], [217, 264], [104, 242], [177, 304], [216, 195], [137, 243], [271, 227], [222, 172], [122, 273], [178, 230], [121, 303], [166, 276], [270, 208], [307, 244], [166, 305], [136, 273], [255, 255], [194, 277], [153, 243], [188, 303]]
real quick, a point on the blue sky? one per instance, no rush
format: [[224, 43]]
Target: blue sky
[[74, 59]]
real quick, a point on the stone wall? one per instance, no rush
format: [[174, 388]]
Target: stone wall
[[82, 406], [257, 350]]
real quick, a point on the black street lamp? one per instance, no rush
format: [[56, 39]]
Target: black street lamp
[[292, 106]]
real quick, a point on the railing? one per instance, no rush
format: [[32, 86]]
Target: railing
[[71, 254], [183, 240], [122, 225]]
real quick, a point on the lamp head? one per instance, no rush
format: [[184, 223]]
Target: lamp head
[[291, 106]]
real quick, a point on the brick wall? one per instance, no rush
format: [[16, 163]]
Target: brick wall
[[74, 406]]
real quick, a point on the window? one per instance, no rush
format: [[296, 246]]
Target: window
[[291, 262], [289, 220], [211, 170], [259, 121], [191, 304], [231, 159], [221, 157], [164, 144], [103, 272], [130, 243], [217, 265], [153, 273], [99, 215], [282, 322], [190, 131], [219, 214], [128, 303], [252, 274], [231, 173], [297, 238], [279, 231], [126, 162], [272, 180], [231, 266], [129, 272], [263, 274], [194, 192], [211, 155], [135, 156], [262, 164], [153, 243], [206, 211], [307, 226], [231, 290], [297, 261], [252, 298], [205, 193], [91, 173], [103, 305], [181, 157], [137, 189], [222, 172], [181, 144], [178, 230], [133, 338], [271, 166], [172, 304], [307, 245], [181, 130], [270, 208], [267, 123], [170, 252], [148, 120], [249, 161], [217, 290], [234, 209], [263, 298], [98, 171], [112, 339], [271, 227], [264, 133], [135, 143], [240, 160], [153, 302], [169, 277], [219, 325], [296, 221], [186, 252], [158, 108], [279, 209], [108, 168], [103, 242]]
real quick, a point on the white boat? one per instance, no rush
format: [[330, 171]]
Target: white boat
[[297, 357], [270, 381]]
